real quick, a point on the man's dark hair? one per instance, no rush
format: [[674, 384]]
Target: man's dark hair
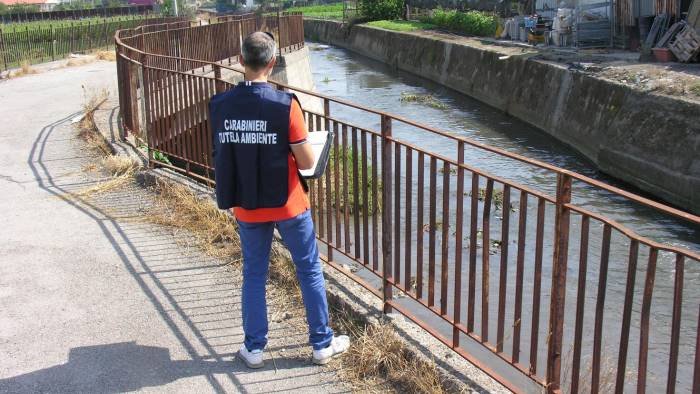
[[258, 50]]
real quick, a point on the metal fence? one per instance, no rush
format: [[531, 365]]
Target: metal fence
[[529, 285], [75, 14], [48, 42]]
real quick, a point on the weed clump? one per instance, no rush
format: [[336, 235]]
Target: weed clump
[[377, 357], [109, 56], [25, 69], [425, 99], [214, 231]]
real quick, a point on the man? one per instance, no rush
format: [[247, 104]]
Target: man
[[259, 140]]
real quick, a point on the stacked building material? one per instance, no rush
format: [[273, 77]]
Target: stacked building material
[[686, 46]]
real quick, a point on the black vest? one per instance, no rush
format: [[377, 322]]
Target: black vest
[[250, 132]]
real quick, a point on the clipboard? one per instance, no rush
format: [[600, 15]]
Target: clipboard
[[321, 142]]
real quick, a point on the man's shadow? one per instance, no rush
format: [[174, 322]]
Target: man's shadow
[[112, 368]]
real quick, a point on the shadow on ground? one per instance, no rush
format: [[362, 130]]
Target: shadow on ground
[[194, 295]]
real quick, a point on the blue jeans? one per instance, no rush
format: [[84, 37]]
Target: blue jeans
[[299, 236]]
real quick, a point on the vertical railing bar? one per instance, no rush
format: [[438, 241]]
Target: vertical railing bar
[[420, 205], [519, 273], [431, 235], [503, 274], [459, 224], [444, 253], [558, 290], [329, 187], [387, 247], [397, 214], [365, 200], [356, 193], [408, 250], [537, 286], [346, 191], [626, 317], [485, 263], [375, 206], [599, 310], [337, 160], [644, 322], [473, 228], [676, 324], [580, 304], [321, 201]]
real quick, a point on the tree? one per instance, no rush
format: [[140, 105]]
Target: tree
[[3, 9]]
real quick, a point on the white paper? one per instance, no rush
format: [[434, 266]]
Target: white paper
[[317, 139]]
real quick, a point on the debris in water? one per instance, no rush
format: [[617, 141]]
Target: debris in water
[[427, 99]]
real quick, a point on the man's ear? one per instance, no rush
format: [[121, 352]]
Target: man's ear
[[271, 65]]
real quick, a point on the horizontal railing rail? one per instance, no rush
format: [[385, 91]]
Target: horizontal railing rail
[[430, 229]]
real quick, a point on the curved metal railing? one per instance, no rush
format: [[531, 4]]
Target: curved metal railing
[[370, 211]]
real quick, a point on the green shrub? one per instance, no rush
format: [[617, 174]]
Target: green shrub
[[399, 25], [344, 160], [475, 23], [381, 9]]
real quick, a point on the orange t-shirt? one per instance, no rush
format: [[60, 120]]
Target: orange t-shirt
[[298, 201]]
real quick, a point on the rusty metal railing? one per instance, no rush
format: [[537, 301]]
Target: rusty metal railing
[[545, 285]]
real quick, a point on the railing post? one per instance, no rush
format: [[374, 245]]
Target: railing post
[[279, 32], [327, 124], [387, 251], [53, 43], [4, 52], [219, 83], [556, 309]]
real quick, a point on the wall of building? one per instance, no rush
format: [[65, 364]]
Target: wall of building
[[648, 140]]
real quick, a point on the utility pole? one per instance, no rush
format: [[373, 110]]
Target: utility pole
[[175, 6]]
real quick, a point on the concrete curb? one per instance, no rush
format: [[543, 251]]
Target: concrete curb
[[458, 374]]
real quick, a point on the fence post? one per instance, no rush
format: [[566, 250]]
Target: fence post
[[219, 83], [387, 252], [559, 263], [4, 52], [53, 43], [279, 32]]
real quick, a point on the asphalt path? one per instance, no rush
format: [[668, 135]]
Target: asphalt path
[[94, 299]]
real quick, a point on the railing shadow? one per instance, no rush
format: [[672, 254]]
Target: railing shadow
[[195, 311]]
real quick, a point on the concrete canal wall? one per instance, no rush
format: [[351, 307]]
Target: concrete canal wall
[[649, 140]]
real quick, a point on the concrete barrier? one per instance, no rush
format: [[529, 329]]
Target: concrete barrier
[[648, 140]]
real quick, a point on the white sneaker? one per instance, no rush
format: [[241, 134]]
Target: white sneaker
[[338, 345], [252, 359]]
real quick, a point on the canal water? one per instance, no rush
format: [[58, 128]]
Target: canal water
[[348, 76]]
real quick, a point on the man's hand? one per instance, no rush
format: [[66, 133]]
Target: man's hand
[[304, 155]]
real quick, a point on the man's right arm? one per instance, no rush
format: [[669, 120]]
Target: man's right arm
[[301, 149]]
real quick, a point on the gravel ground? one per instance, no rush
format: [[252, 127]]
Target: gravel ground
[[94, 299]]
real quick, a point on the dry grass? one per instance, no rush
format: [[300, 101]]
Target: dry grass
[[86, 127], [119, 165], [377, 357], [25, 69], [106, 186], [79, 61], [109, 56], [378, 360], [120, 168], [214, 231]]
